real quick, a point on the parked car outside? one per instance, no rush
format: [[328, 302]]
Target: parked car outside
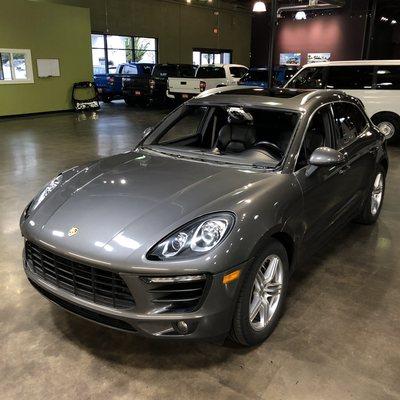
[[207, 77], [195, 233], [144, 90], [375, 82], [109, 85]]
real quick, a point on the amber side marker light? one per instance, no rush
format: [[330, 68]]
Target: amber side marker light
[[233, 276]]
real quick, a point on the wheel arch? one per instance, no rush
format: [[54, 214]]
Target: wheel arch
[[285, 238], [385, 163]]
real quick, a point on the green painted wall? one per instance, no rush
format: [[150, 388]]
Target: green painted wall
[[49, 31], [178, 26]]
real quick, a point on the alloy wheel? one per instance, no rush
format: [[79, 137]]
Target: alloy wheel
[[387, 128], [377, 194], [266, 292]]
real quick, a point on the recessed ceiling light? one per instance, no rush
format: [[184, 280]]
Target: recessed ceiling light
[[259, 6], [300, 15]]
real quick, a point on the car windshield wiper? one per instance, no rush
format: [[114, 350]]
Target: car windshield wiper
[[207, 157]]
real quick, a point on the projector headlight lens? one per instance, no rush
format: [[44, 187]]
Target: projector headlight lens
[[195, 238]]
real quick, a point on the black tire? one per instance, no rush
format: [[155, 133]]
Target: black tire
[[393, 120], [106, 99], [129, 101], [367, 216], [144, 102], [242, 331]]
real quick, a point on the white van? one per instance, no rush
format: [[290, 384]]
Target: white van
[[375, 82]]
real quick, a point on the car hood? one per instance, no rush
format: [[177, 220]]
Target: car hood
[[127, 203]]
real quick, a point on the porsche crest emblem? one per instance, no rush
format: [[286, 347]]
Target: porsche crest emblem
[[73, 231]]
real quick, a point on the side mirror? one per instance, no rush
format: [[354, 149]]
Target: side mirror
[[147, 132], [327, 157]]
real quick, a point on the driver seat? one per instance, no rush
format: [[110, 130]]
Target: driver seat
[[234, 138]]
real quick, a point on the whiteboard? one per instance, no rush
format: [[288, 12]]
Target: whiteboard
[[48, 67]]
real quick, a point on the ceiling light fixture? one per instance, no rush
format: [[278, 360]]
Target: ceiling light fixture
[[393, 22], [300, 15], [259, 6]]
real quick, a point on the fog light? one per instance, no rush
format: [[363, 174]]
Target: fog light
[[182, 327]]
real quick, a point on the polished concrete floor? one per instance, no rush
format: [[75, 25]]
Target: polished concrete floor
[[339, 338]]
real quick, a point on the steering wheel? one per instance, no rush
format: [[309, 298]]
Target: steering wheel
[[270, 148]]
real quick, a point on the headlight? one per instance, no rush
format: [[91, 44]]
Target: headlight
[[194, 239]]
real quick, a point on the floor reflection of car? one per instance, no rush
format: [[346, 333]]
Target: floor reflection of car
[[195, 233]]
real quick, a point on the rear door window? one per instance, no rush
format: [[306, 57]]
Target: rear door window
[[255, 76], [309, 78], [210, 72], [350, 77], [350, 122], [146, 69], [237, 72], [388, 77], [165, 71], [187, 71], [130, 69]]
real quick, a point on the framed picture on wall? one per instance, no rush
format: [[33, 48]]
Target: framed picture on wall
[[318, 57], [290, 59]]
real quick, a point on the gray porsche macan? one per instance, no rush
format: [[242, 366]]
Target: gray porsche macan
[[195, 233]]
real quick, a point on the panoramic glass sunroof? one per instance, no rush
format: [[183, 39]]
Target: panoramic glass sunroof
[[280, 93]]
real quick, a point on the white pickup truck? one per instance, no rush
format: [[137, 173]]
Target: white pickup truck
[[207, 77]]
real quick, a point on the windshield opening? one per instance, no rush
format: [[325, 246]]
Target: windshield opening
[[252, 136], [256, 75], [210, 72], [165, 71]]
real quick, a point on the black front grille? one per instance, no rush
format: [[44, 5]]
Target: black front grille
[[178, 296], [83, 312], [89, 283]]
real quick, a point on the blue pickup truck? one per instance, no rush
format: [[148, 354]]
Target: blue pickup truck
[[109, 86]]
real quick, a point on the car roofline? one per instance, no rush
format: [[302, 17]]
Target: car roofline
[[258, 97]]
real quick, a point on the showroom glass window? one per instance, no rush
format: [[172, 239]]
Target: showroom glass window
[[309, 78], [15, 66], [108, 51], [119, 51], [388, 77], [350, 122], [350, 77], [211, 56]]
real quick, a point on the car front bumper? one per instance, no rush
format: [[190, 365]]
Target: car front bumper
[[211, 320]]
